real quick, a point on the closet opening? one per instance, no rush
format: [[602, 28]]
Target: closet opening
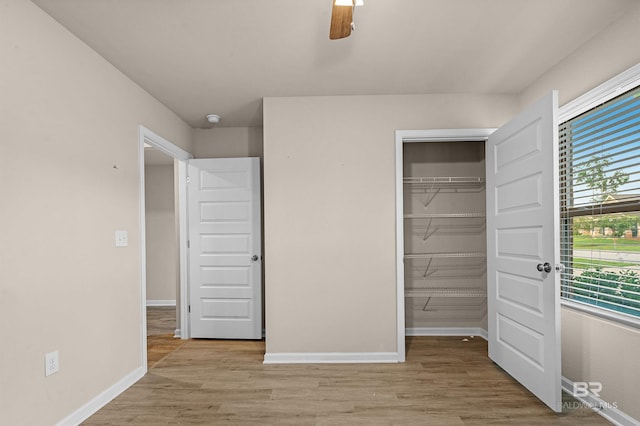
[[442, 238], [445, 238]]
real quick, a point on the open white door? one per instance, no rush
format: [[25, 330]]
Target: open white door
[[523, 250], [225, 262]]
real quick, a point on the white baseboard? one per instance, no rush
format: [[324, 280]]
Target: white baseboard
[[91, 407], [447, 331], [330, 358], [608, 410], [177, 333], [161, 302]]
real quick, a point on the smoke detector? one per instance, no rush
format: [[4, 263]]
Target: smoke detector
[[213, 118]]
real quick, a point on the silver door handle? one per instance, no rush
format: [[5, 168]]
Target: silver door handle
[[255, 258], [546, 267]]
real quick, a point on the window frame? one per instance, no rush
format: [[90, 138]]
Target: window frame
[[623, 82]]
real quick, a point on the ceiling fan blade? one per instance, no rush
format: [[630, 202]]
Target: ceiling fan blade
[[341, 19]]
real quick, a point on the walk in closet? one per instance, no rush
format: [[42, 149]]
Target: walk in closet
[[444, 236]]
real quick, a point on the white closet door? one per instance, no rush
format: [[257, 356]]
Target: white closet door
[[225, 262], [523, 250]]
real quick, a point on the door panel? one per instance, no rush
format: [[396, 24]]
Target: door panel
[[225, 270], [522, 233]]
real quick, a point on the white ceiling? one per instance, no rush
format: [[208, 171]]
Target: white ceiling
[[224, 56]]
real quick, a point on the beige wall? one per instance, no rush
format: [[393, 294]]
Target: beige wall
[[227, 142], [594, 349], [161, 233], [598, 350], [329, 176], [66, 118], [603, 57]]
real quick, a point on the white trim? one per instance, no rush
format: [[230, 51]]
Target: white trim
[[147, 136], [161, 303], [400, 322], [409, 136], [161, 144], [91, 407], [608, 90], [331, 358], [143, 250], [608, 410], [447, 331], [183, 235], [444, 135], [177, 333], [599, 312]]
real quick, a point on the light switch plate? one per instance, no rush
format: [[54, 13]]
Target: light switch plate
[[122, 239]]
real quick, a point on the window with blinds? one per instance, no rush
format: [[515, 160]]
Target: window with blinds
[[600, 206]]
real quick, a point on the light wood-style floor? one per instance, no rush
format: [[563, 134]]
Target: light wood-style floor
[[445, 381], [161, 326], [161, 320]]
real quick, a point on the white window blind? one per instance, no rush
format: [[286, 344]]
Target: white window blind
[[600, 206]]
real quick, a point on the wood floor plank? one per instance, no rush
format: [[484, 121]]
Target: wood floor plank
[[445, 381], [161, 320]]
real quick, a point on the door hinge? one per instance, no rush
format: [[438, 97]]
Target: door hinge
[[188, 179], [189, 308], [188, 243]]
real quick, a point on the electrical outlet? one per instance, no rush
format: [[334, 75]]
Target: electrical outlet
[[51, 363]]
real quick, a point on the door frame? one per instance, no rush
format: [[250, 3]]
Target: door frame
[[180, 156], [412, 136]]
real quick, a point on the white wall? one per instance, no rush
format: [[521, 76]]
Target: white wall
[[161, 233], [66, 118], [329, 176]]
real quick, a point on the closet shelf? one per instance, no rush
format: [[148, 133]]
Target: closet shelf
[[447, 272], [431, 186], [444, 255], [444, 292], [445, 181], [442, 215]]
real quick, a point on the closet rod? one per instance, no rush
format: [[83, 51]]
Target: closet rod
[[442, 215]]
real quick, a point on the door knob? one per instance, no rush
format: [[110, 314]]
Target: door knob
[[254, 258], [546, 267]]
